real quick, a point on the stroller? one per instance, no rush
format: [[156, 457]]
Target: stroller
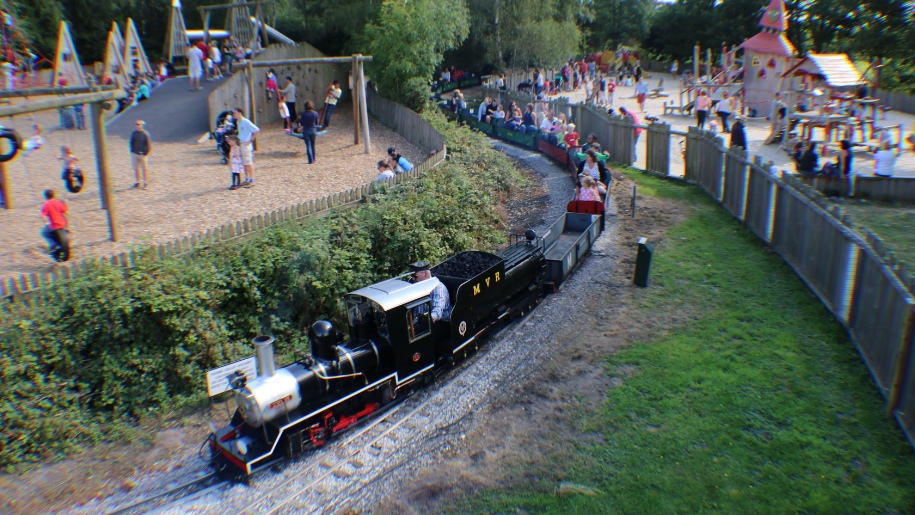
[[225, 127]]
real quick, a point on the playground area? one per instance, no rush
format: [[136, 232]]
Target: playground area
[[757, 131], [188, 186]]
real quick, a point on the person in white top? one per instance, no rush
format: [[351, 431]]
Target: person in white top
[[330, 103], [216, 56], [194, 66], [885, 160]]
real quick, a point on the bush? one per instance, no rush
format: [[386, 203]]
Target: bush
[[113, 345]]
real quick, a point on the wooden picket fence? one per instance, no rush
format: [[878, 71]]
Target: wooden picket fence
[[28, 287]]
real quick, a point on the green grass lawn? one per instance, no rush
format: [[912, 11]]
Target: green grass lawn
[[759, 405], [893, 224]]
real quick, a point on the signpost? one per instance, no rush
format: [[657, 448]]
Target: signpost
[[218, 378]]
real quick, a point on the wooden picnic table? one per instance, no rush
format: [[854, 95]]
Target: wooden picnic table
[[830, 122]]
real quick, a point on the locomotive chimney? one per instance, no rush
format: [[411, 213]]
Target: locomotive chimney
[[263, 348]]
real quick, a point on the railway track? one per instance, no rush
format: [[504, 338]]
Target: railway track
[[195, 488]]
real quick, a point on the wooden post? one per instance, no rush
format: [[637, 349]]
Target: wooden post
[[696, 63], [354, 90], [259, 13], [708, 65], [101, 159], [902, 361], [364, 109], [206, 27], [252, 106], [5, 187]]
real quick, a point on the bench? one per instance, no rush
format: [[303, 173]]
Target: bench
[[657, 92], [683, 110]]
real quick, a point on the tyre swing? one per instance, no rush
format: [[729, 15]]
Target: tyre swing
[[72, 175], [15, 143]]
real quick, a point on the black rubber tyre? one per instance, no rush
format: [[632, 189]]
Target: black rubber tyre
[[15, 143]]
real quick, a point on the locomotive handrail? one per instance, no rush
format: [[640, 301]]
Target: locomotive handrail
[[343, 376]]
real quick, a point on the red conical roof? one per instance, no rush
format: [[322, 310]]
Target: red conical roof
[[774, 18]]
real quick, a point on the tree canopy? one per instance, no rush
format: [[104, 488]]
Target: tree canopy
[[410, 39]]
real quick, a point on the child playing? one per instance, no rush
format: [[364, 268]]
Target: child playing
[[235, 162], [284, 112], [72, 176], [271, 84]]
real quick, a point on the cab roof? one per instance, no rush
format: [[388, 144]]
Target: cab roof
[[396, 292]]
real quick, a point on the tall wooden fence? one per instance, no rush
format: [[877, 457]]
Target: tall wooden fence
[[881, 189], [615, 133], [404, 122], [28, 287], [897, 101]]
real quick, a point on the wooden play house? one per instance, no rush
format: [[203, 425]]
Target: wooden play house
[[767, 56]]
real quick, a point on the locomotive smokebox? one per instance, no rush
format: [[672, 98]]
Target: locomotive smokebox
[[263, 349], [323, 337]]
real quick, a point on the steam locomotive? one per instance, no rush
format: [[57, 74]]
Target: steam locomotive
[[393, 346]]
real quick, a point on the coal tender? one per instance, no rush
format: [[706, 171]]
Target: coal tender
[[393, 345]]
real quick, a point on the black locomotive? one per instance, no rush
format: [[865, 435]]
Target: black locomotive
[[393, 345]]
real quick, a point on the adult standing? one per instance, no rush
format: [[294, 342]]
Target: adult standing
[[330, 103], [727, 106], [641, 93], [637, 131], [139, 148], [289, 93], [194, 66], [738, 134], [703, 103], [54, 211], [246, 132], [206, 53], [309, 123]]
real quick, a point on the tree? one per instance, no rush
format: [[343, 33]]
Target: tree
[[38, 20], [523, 33], [408, 40], [620, 22]]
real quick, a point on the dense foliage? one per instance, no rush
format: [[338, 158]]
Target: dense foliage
[[110, 345]]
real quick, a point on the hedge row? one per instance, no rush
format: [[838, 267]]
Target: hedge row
[[114, 345]]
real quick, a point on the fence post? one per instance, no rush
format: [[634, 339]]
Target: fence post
[[658, 148], [692, 148], [902, 360]]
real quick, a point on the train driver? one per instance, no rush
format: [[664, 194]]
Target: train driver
[[441, 301]]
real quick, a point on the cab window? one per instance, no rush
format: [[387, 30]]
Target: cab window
[[419, 323]]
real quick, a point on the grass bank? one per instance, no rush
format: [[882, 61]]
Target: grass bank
[[758, 404]]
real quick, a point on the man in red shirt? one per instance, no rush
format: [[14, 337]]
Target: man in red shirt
[[55, 212]]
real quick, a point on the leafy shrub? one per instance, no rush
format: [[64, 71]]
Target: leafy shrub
[[114, 344]]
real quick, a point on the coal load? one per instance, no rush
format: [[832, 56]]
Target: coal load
[[466, 265]]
